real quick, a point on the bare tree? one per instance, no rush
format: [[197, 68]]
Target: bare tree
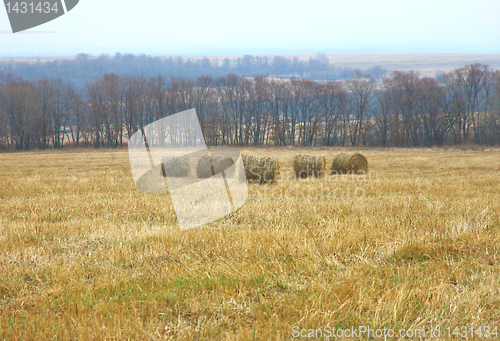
[[77, 114], [233, 106], [383, 111], [476, 76], [329, 100], [435, 125], [362, 92], [492, 116], [258, 104], [404, 88]]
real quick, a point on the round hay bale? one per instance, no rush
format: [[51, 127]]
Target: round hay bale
[[260, 169], [152, 181], [220, 164], [306, 165], [176, 166], [349, 163], [204, 168]]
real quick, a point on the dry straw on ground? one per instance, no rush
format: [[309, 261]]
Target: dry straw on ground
[[306, 165], [261, 169], [349, 163], [176, 166]]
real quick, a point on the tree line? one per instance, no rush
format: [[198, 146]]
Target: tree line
[[84, 68], [401, 109]]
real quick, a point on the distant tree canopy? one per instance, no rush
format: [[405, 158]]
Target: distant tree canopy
[[401, 109], [85, 68]]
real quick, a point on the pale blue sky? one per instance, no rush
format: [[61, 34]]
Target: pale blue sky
[[223, 27]]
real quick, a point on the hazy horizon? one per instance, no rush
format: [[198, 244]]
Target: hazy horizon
[[425, 64]]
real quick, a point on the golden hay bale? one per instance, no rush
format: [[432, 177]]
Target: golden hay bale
[[307, 165], [176, 166], [152, 181], [204, 168], [220, 164], [260, 169], [349, 163]]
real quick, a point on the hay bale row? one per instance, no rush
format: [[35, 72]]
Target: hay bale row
[[349, 163], [305, 166], [263, 169], [260, 169], [176, 166], [220, 164]]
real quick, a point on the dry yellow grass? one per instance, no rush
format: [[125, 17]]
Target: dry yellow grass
[[83, 255]]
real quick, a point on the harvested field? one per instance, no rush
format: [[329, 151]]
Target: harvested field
[[84, 255]]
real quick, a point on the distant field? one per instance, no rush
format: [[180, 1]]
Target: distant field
[[426, 64], [33, 59], [83, 255]]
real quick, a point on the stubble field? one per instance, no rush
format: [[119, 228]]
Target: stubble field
[[414, 245]]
